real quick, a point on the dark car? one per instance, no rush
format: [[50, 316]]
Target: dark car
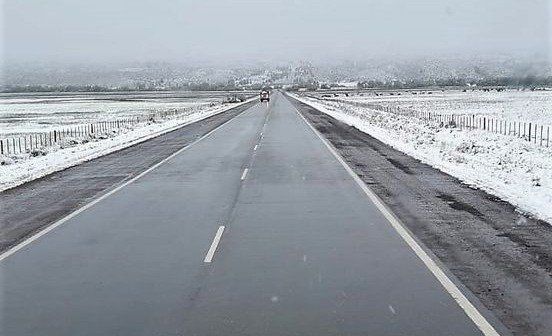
[[265, 96]]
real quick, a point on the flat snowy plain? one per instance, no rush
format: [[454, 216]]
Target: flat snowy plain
[[515, 170], [514, 105], [43, 112]]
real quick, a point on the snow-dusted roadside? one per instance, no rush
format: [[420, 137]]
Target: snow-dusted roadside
[[18, 170], [516, 171], [510, 104]]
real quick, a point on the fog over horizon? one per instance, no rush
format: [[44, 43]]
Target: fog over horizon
[[241, 32]]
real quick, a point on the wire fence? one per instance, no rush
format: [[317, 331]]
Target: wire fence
[[33, 142], [529, 131]]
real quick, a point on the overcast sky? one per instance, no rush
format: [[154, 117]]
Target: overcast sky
[[253, 30]]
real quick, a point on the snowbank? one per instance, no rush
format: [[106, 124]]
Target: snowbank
[[20, 169], [515, 170]]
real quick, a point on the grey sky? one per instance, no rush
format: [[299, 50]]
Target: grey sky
[[181, 30]]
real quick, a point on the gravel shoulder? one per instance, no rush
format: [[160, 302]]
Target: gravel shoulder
[[499, 254]]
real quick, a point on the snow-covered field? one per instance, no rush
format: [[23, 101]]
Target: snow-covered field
[[527, 106], [43, 112], [515, 170], [16, 170]]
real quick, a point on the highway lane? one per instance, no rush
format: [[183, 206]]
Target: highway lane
[[58, 194], [256, 230], [123, 266]]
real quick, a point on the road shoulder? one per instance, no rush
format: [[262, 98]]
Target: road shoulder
[[502, 256]]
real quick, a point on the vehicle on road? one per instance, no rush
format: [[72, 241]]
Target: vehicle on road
[[265, 96], [234, 98]]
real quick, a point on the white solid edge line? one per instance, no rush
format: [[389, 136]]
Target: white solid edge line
[[244, 174], [51, 227], [470, 310], [214, 244]]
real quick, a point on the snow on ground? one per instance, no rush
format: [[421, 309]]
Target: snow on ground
[[29, 113], [23, 168], [515, 170], [528, 106]]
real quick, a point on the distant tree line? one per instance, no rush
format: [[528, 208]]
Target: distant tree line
[[60, 88], [526, 81], [231, 85], [203, 86]]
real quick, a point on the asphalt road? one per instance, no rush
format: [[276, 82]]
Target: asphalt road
[[258, 229], [34, 205]]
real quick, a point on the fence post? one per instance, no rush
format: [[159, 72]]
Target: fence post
[[2, 146]]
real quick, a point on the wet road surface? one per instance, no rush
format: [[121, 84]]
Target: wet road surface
[[34, 205], [258, 229], [502, 255]]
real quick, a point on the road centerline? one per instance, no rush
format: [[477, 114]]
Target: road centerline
[[244, 174], [213, 248]]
